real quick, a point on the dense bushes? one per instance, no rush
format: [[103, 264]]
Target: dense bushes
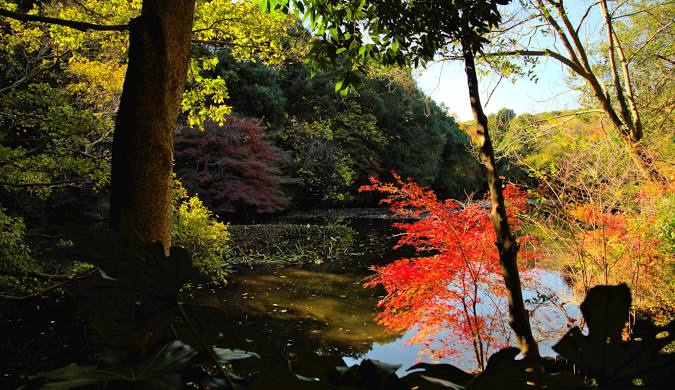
[[233, 167], [14, 253], [337, 142], [601, 221], [194, 228]]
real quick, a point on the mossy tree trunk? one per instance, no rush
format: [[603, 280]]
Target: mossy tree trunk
[[142, 161]]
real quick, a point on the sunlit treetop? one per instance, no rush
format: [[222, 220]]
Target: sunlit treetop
[[97, 59]]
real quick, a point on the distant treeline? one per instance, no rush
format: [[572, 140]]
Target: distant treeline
[[292, 141]]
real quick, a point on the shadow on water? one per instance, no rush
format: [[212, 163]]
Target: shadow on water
[[289, 314]]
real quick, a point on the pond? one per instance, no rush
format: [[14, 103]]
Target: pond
[[291, 314]]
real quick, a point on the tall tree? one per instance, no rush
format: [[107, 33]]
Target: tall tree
[[142, 160], [355, 33], [610, 80], [157, 57]]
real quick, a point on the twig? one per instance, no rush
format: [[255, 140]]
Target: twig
[[46, 290]]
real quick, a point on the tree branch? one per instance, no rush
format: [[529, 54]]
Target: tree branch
[[220, 42], [541, 53], [41, 184], [68, 279], [639, 11], [40, 275], [81, 26], [648, 40], [581, 21]]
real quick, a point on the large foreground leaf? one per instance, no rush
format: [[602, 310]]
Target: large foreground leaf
[[604, 356], [160, 369], [133, 299], [503, 371]]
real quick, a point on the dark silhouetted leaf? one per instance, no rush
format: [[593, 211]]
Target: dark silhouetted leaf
[[160, 369], [604, 356]]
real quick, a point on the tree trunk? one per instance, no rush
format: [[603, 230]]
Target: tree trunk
[[142, 160], [506, 241], [634, 146]]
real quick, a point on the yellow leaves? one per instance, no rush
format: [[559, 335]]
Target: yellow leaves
[[97, 59], [19, 34], [205, 95], [195, 228], [248, 33], [109, 43], [98, 83]]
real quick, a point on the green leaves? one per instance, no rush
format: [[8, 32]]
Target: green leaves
[[228, 355], [440, 375], [47, 141], [397, 33], [605, 356]]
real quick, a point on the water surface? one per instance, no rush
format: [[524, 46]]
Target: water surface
[[288, 314]]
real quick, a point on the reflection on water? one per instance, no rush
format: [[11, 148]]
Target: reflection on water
[[326, 309], [294, 314]]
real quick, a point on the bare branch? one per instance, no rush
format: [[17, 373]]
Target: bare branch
[[642, 10], [542, 53], [41, 184], [588, 11], [39, 275], [220, 42], [65, 280], [213, 24], [625, 114]]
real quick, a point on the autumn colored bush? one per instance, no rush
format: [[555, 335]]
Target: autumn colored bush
[[629, 246], [233, 167], [597, 217], [453, 287], [194, 227]]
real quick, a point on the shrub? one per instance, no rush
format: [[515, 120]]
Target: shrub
[[14, 253], [194, 228], [232, 167]]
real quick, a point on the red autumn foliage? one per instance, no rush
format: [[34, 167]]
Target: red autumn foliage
[[452, 292], [614, 246], [231, 166]]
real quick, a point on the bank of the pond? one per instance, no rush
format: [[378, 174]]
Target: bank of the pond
[[315, 307]]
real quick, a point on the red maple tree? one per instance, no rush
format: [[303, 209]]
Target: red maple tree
[[232, 166], [452, 292]]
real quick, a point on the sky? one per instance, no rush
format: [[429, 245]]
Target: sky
[[446, 83]]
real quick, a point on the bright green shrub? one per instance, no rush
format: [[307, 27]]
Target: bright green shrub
[[14, 253], [664, 228], [195, 228]]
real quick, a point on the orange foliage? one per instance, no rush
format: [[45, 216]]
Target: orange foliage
[[454, 286]]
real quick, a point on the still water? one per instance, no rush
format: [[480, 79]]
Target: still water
[[289, 314]]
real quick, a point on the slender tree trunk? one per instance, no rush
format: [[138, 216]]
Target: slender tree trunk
[[506, 241], [628, 124], [636, 150], [142, 161]]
